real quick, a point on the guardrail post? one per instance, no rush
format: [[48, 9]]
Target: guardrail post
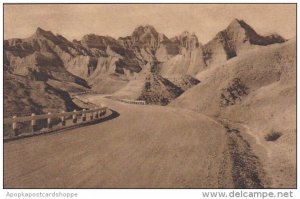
[[92, 115], [49, 121], [74, 116], [96, 113], [63, 119], [33, 123], [14, 125], [84, 116]]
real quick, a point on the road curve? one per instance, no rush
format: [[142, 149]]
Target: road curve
[[144, 147]]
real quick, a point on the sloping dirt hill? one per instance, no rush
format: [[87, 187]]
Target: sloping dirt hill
[[150, 86], [257, 90], [23, 96]]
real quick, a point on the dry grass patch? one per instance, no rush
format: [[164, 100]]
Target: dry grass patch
[[273, 136]]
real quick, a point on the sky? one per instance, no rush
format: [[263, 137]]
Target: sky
[[73, 21]]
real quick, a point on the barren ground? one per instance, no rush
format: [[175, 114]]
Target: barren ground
[[144, 147]]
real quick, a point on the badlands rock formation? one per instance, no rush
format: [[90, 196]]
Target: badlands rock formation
[[240, 80], [256, 91], [237, 38], [114, 66]]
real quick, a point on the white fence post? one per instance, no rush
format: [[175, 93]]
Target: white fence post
[[99, 112], [84, 116], [96, 113], [92, 115], [63, 119], [33, 123], [32, 119], [14, 125], [49, 121], [74, 116]]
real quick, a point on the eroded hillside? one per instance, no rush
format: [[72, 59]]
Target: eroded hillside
[[144, 65], [258, 91]]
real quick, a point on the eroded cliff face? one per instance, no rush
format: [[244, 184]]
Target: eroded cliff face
[[258, 90], [193, 57], [237, 38], [146, 42], [45, 55], [188, 60], [113, 56], [107, 65], [41, 56]]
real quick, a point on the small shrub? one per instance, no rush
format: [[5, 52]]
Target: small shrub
[[164, 101], [273, 136]]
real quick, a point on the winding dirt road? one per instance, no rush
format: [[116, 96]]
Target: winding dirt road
[[141, 147]]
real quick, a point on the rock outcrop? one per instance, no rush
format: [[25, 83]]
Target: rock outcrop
[[107, 65], [235, 39], [189, 59], [48, 55], [258, 91]]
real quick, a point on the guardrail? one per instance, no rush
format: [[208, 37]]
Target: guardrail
[[81, 93], [141, 102], [92, 114]]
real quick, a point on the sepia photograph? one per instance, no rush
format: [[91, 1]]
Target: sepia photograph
[[149, 96]]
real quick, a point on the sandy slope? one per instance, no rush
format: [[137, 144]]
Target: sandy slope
[[150, 86], [257, 90], [133, 89]]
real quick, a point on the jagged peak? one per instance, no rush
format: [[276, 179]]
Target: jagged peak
[[142, 29], [41, 32], [235, 22], [238, 24], [253, 35], [146, 27], [90, 36], [188, 35]]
